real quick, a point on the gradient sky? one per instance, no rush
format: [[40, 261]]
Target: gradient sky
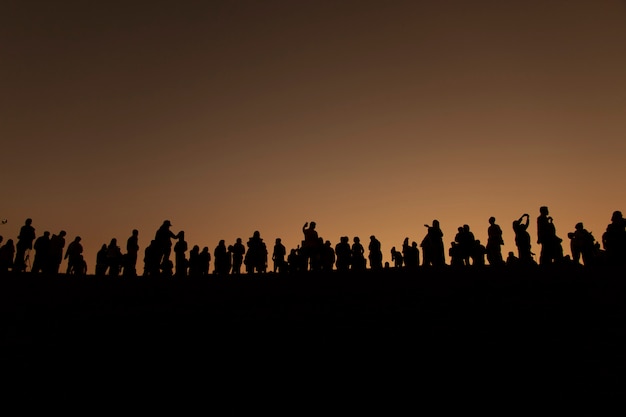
[[227, 117]]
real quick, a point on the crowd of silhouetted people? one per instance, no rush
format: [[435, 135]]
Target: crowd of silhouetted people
[[314, 253]]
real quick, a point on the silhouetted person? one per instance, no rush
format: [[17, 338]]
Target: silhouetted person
[[278, 255], [24, 243], [432, 246], [582, 243], [494, 243], [195, 266], [114, 258], [465, 243], [163, 239], [205, 261], [512, 260], [255, 259], [239, 251], [614, 240], [358, 255], [180, 250], [220, 254], [152, 259], [42, 253], [456, 254], [375, 255], [293, 260], [478, 253], [101, 261], [328, 256], [229, 259], [310, 244], [132, 252], [551, 248], [343, 253], [316, 255], [396, 258], [522, 240], [57, 244], [74, 256], [7, 256], [410, 254]]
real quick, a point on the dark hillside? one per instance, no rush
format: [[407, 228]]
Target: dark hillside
[[526, 333]]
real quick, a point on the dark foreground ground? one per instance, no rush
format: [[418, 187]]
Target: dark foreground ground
[[337, 343]]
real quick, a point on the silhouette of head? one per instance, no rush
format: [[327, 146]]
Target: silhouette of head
[[62, 233], [435, 223], [28, 221], [135, 232], [113, 242], [238, 240], [312, 225], [356, 239], [46, 234], [167, 223], [256, 234], [77, 239], [278, 240], [492, 220], [543, 210], [579, 226], [617, 215]]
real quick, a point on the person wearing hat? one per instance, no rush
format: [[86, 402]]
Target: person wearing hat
[[163, 240]]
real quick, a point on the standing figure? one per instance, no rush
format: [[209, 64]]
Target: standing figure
[[114, 258], [410, 254], [163, 240], [57, 244], [256, 256], [310, 244], [522, 240], [551, 249], [152, 259], [343, 253], [180, 249], [101, 261], [465, 242], [205, 261], [24, 243], [219, 255], [74, 256], [432, 246], [358, 255], [7, 255], [396, 258], [278, 255], [239, 251], [328, 256], [42, 253], [132, 251], [195, 265], [494, 243], [582, 243], [614, 240], [375, 254]]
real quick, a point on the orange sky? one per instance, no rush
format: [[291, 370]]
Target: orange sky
[[366, 117]]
